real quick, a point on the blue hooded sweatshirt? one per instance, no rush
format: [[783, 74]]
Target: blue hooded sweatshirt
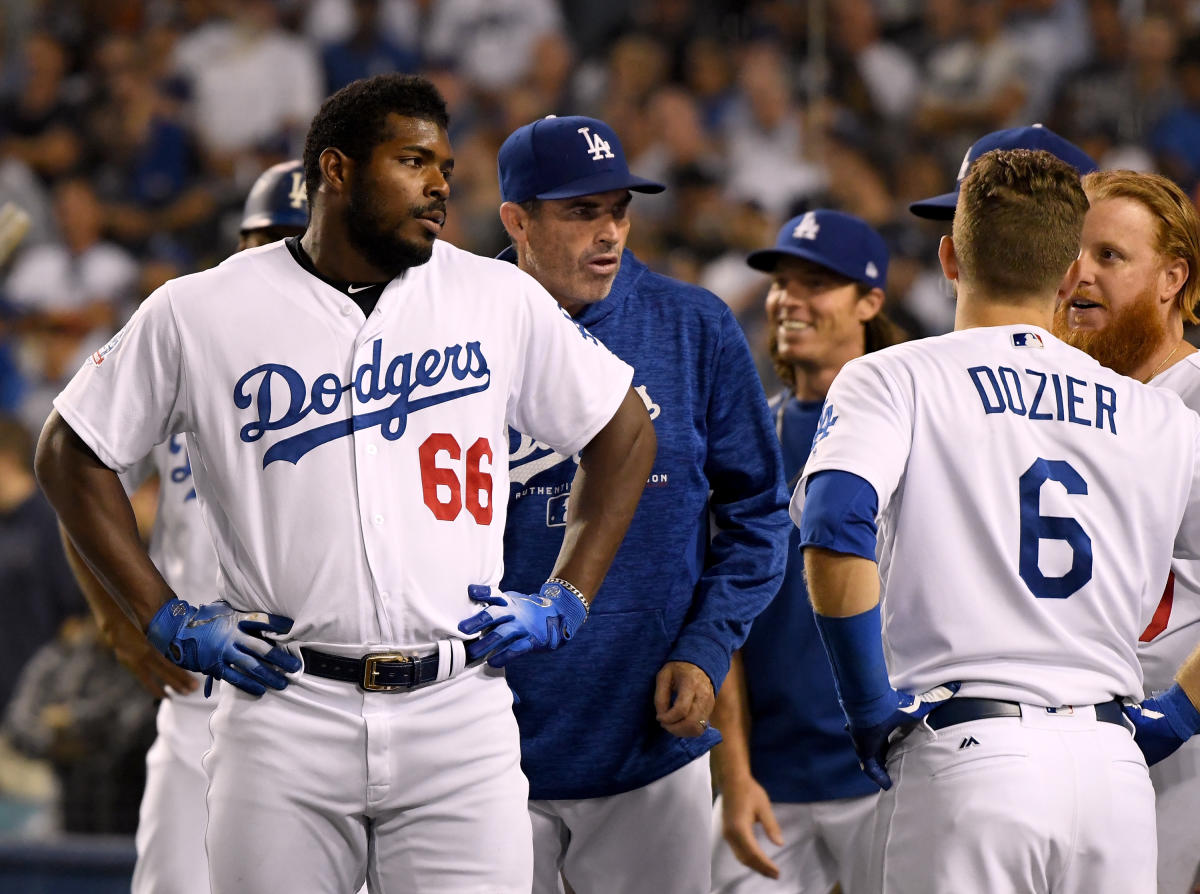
[[704, 554]]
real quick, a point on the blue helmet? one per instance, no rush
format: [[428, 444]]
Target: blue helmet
[[277, 199]]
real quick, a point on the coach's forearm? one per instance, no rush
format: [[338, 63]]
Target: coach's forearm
[[613, 468], [731, 715], [93, 508], [840, 585]]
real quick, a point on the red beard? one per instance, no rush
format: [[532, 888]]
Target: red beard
[[1126, 343]]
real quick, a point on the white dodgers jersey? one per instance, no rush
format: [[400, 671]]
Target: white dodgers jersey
[[352, 472], [1029, 501], [1174, 628]]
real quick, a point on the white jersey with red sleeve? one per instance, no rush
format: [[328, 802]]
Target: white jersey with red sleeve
[[1028, 503], [1174, 628], [351, 471]]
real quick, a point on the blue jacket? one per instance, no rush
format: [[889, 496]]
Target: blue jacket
[[799, 749], [694, 569]]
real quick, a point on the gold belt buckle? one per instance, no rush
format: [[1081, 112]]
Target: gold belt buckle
[[371, 671]]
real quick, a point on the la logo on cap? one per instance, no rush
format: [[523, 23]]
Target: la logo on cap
[[808, 228], [598, 147]]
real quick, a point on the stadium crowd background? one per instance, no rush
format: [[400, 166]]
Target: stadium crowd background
[[131, 130]]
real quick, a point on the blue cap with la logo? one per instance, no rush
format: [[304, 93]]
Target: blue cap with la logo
[[835, 240], [562, 158]]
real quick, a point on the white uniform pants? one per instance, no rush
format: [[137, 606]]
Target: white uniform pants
[[1040, 804], [824, 843], [1177, 789], [316, 787], [171, 821], [652, 840]]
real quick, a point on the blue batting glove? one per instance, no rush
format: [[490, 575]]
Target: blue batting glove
[[870, 732], [515, 623], [1163, 723], [215, 639]]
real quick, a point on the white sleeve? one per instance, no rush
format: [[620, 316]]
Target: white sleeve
[[865, 428], [567, 385], [129, 394], [1187, 540]]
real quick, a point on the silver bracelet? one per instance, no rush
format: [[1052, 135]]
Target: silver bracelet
[[571, 588]]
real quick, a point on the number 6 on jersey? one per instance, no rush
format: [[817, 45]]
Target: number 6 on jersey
[[1036, 527], [444, 494]]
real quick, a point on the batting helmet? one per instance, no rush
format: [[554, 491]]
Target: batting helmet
[[277, 199]]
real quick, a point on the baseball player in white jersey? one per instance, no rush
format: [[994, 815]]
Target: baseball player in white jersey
[[1139, 282], [1017, 555], [173, 813], [343, 397]]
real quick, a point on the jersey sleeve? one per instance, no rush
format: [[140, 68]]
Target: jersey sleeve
[[128, 396], [1187, 540], [567, 385], [865, 429]]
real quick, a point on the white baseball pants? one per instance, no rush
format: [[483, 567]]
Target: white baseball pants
[[652, 840], [1039, 804], [824, 843], [1177, 790], [321, 786], [172, 817]]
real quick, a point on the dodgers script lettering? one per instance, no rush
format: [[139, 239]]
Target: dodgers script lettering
[[403, 379]]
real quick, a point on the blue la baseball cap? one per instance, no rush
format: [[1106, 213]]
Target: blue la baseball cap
[[561, 158], [1033, 137], [840, 242]]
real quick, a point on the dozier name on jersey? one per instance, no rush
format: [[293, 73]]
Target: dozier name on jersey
[[1051, 397], [371, 384]]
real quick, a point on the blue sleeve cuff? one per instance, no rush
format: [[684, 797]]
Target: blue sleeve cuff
[[839, 514], [855, 649], [704, 652]]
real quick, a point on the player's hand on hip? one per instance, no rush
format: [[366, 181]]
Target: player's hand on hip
[[744, 805], [1163, 723], [151, 668], [224, 643], [871, 731], [516, 623], [683, 699]]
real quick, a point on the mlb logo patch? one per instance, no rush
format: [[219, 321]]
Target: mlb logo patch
[[98, 356], [1027, 340]]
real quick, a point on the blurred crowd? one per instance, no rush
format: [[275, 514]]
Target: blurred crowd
[[131, 130]]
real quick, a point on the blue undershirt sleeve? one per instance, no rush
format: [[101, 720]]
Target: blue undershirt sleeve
[[839, 514]]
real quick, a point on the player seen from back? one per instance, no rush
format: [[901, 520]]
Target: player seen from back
[[1017, 556], [785, 762], [1139, 283], [343, 396]]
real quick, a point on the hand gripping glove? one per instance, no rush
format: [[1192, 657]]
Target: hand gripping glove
[[223, 643], [515, 623], [870, 730], [1163, 723]]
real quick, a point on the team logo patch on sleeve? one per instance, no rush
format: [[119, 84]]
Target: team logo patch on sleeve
[[98, 356], [1027, 340]]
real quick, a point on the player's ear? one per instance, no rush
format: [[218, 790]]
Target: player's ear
[[1070, 281], [514, 218], [948, 258], [868, 305], [1175, 275], [335, 166]]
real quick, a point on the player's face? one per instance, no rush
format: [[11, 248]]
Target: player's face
[[1114, 313], [396, 204], [574, 246], [815, 315]]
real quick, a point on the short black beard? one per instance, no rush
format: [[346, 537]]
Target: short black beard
[[367, 233]]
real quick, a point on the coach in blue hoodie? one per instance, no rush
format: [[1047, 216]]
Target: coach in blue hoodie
[[614, 726]]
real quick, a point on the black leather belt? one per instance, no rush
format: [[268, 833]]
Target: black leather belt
[[377, 672], [961, 710]]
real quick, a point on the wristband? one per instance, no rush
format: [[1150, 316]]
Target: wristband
[[165, 624], [571, 588], [1181, 713]]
